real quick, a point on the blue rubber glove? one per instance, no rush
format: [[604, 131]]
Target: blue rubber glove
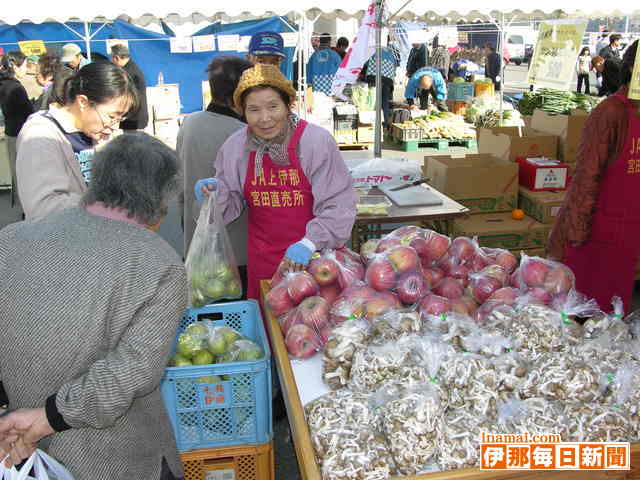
[[210, 183], [299, 253]]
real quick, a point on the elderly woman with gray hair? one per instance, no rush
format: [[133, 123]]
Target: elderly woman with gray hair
[[93, 298]]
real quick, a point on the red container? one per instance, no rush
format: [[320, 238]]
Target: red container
[[543, 175]]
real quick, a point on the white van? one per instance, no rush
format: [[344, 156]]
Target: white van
[[515, 47]]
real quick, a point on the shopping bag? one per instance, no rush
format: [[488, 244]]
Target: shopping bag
[[211, 266], [39, 466]]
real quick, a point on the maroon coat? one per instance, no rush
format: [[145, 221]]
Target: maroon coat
[[603, 139]]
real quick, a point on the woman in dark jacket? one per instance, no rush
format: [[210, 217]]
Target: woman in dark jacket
[[15, 105]]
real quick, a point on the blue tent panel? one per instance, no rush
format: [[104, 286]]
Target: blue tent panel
[[150, 50]]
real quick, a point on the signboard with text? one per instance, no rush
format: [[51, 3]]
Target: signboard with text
[[634, 86], [554, 59]]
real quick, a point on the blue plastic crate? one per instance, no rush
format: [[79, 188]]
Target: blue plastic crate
[[460, 92], [234, 411]]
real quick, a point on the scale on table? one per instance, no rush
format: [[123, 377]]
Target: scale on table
[[413, 196]]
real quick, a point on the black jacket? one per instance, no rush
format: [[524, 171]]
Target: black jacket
[[15, 105], [418, 58], [608, 52], [611, 77], [137, 120], [492, 66]]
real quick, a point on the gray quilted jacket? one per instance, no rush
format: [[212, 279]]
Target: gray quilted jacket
[[89, 309]]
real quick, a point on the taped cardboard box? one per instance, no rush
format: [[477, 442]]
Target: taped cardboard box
[[543, 206], [366, 134], [509, 143], [480, 182], [568, 128], [499, 230]]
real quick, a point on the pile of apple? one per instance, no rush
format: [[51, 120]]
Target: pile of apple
[[411, 268]]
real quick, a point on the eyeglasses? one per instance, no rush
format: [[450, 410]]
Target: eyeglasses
[[110, 120]]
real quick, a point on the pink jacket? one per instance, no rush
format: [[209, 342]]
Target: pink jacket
[[334, 198]]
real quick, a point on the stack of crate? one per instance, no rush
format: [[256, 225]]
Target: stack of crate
[[221, 413]]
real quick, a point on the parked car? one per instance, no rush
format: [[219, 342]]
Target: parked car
[[528, 52]]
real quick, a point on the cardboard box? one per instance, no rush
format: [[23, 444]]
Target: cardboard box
[[167, 131], [541, 174], [345, 117], [366, 134], [499, 230], [543, 206], [567, 127], [510, 143], [482, 183], [164, 101]]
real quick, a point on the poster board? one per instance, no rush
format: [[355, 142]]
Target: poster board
[[634, 86], [554, 58], [32, 47]]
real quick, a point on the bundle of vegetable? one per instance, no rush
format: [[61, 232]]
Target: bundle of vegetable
[[556, 102], [484, 112], [448, 126]]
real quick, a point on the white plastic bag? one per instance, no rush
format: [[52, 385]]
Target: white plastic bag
[[42, 465], [211, 265]]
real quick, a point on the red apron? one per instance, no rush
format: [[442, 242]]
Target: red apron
[[280, 206], [605, 264]]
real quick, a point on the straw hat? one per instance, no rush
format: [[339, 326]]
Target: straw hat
[[265, 75]]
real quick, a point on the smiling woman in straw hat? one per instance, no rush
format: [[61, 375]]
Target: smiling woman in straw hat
[[287, 172]]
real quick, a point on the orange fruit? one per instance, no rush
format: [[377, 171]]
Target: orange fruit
[[517, 214]]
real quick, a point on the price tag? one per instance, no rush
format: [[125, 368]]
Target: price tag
[[204, 43], [228, 43], [181, 45]]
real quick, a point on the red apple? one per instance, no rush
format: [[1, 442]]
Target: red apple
[[350, 275], [406, 231], [411, 287], [361, 291], [516, 281], [278, 300], [447, 263], [314, 312], [497, 272], [462, 248], [403, 259], [387, 244], [421, 246], [380, 275], [324, 271], [534, 272], [538, 296], [483, 286], [507, 295], [434, 305], [289, 320], [378, 306], [449, 288], [302, 341], [479, 261], [458, 305], [432, 276], [506, 260], [345, 308], [460, 273], [330, 293], [437, 246], [559, 280], [301, 285]]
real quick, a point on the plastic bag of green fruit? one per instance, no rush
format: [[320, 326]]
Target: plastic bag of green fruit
[[211, 266], [203, 343]]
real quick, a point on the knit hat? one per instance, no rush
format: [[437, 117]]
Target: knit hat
[[263, 75]]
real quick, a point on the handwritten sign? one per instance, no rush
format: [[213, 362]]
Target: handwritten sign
[[634, 86], [554, 58], [228, 43], [204, 43], [290, 39], [32, 47], [181, 45]]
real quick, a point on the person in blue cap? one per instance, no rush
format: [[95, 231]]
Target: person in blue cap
[[427, 81], [266, 48]]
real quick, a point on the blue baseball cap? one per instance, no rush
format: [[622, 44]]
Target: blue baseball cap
[[266, 43]]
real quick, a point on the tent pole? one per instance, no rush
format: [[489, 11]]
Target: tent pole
[[377, 149], [87, 40]]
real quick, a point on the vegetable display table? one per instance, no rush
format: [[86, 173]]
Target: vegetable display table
[[439, 217], [305, 454]]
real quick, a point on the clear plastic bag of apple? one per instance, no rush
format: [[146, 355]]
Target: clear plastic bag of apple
[[538, 276], [212, 270], [335, 270], [292, 289], [397, 269], [307, 327]]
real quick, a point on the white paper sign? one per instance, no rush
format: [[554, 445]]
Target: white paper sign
[[228, 43], [115, 41], [204, 43], [290, 39], [243, 45], [181, 45]]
